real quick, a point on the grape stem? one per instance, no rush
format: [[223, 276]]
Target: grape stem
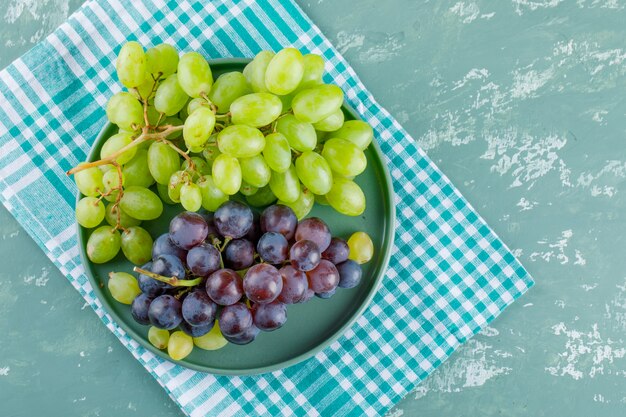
[[118, 198], [173, 281]]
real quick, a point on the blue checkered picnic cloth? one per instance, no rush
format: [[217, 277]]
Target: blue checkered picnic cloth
[[449, 274]]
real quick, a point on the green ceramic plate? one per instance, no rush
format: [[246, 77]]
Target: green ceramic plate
[[311, 326]]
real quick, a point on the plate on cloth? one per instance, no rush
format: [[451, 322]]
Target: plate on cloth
[[311, 326]]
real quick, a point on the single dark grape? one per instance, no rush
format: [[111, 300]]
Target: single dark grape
[[188, 229], [304, 255], [239, 254], [326, 295], [316, 230], [324, 277], [308, 294], [254, 234], [198, 309], [225, 287], [233, 219], [350, 274], [235, 319], [280, 219], [195, 331], [295, 285], [165, 312], [150, 286], [262, 283], [203, 259], [337, 252], [163, 245], [268, 317], [139, 308], [168, 266], [244, 338], [273, 248]]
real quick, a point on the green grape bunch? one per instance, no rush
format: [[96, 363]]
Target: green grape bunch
[[272, 132]]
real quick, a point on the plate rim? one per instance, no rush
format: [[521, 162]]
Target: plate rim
[[388, 241]]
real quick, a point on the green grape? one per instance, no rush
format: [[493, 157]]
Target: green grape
[[211, 151], [303, 205], [227, 174], [212, 197], [344, 157], [255, 171], [247, 189], [141, 203], [163, 161], [162, 191], [256, 109], [89, 212], [162, 60], [357, 132], [240, 141], [321, 136], [330, 123], [227, 88], [202, 167], [287, 99], [313, 70], [110, 214], [321, 199], [159, 337], [124, 110], [263, 197], [285, 185], [255, 71], [195, 103], [190, 197], [123, 287], [346, 197], [111, 181], [180, 345], [103, 244], [361, 247], [131, 64], [170, 98], [198, 127], [175, 183], [277, 152], [137, 245], [314, 172], [300, 135], [115, 143], [153, 116], [89, 181], [317, 103], [213, 340], [194, 74], [174, 121], [144, 91], [284, 72]]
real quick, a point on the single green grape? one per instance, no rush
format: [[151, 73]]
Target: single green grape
[[162, 191], [247, 189], [89, 212], [212, 196], [170, 98], [227, 174], [145, 90], [163, 161], [321, 199], [357, 132], [256, 109], [123, 287], [284, 72], [194, 74], [153, 116], [227, 88], [314, 172], [213, 340], [126, 221], [255, 71], [277, 152], [300, 135], [313, 70], [141, 203], [330, 123], [317, 103], [137, 245], [346, 197], [344, 157], [198, 127], [201, 165], [195, 103], [255, 171], [211, 151], [103, 244], [180, 345], [89, 181], [124, 110], [190, 197], [287, 99], [136, 171], [111, 181], [131, 64], [285, 185], [175, 183], [115, 143], [158, 337], [361, 247], [162, 60], [263, 197], [240, 141], [303, 205]]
